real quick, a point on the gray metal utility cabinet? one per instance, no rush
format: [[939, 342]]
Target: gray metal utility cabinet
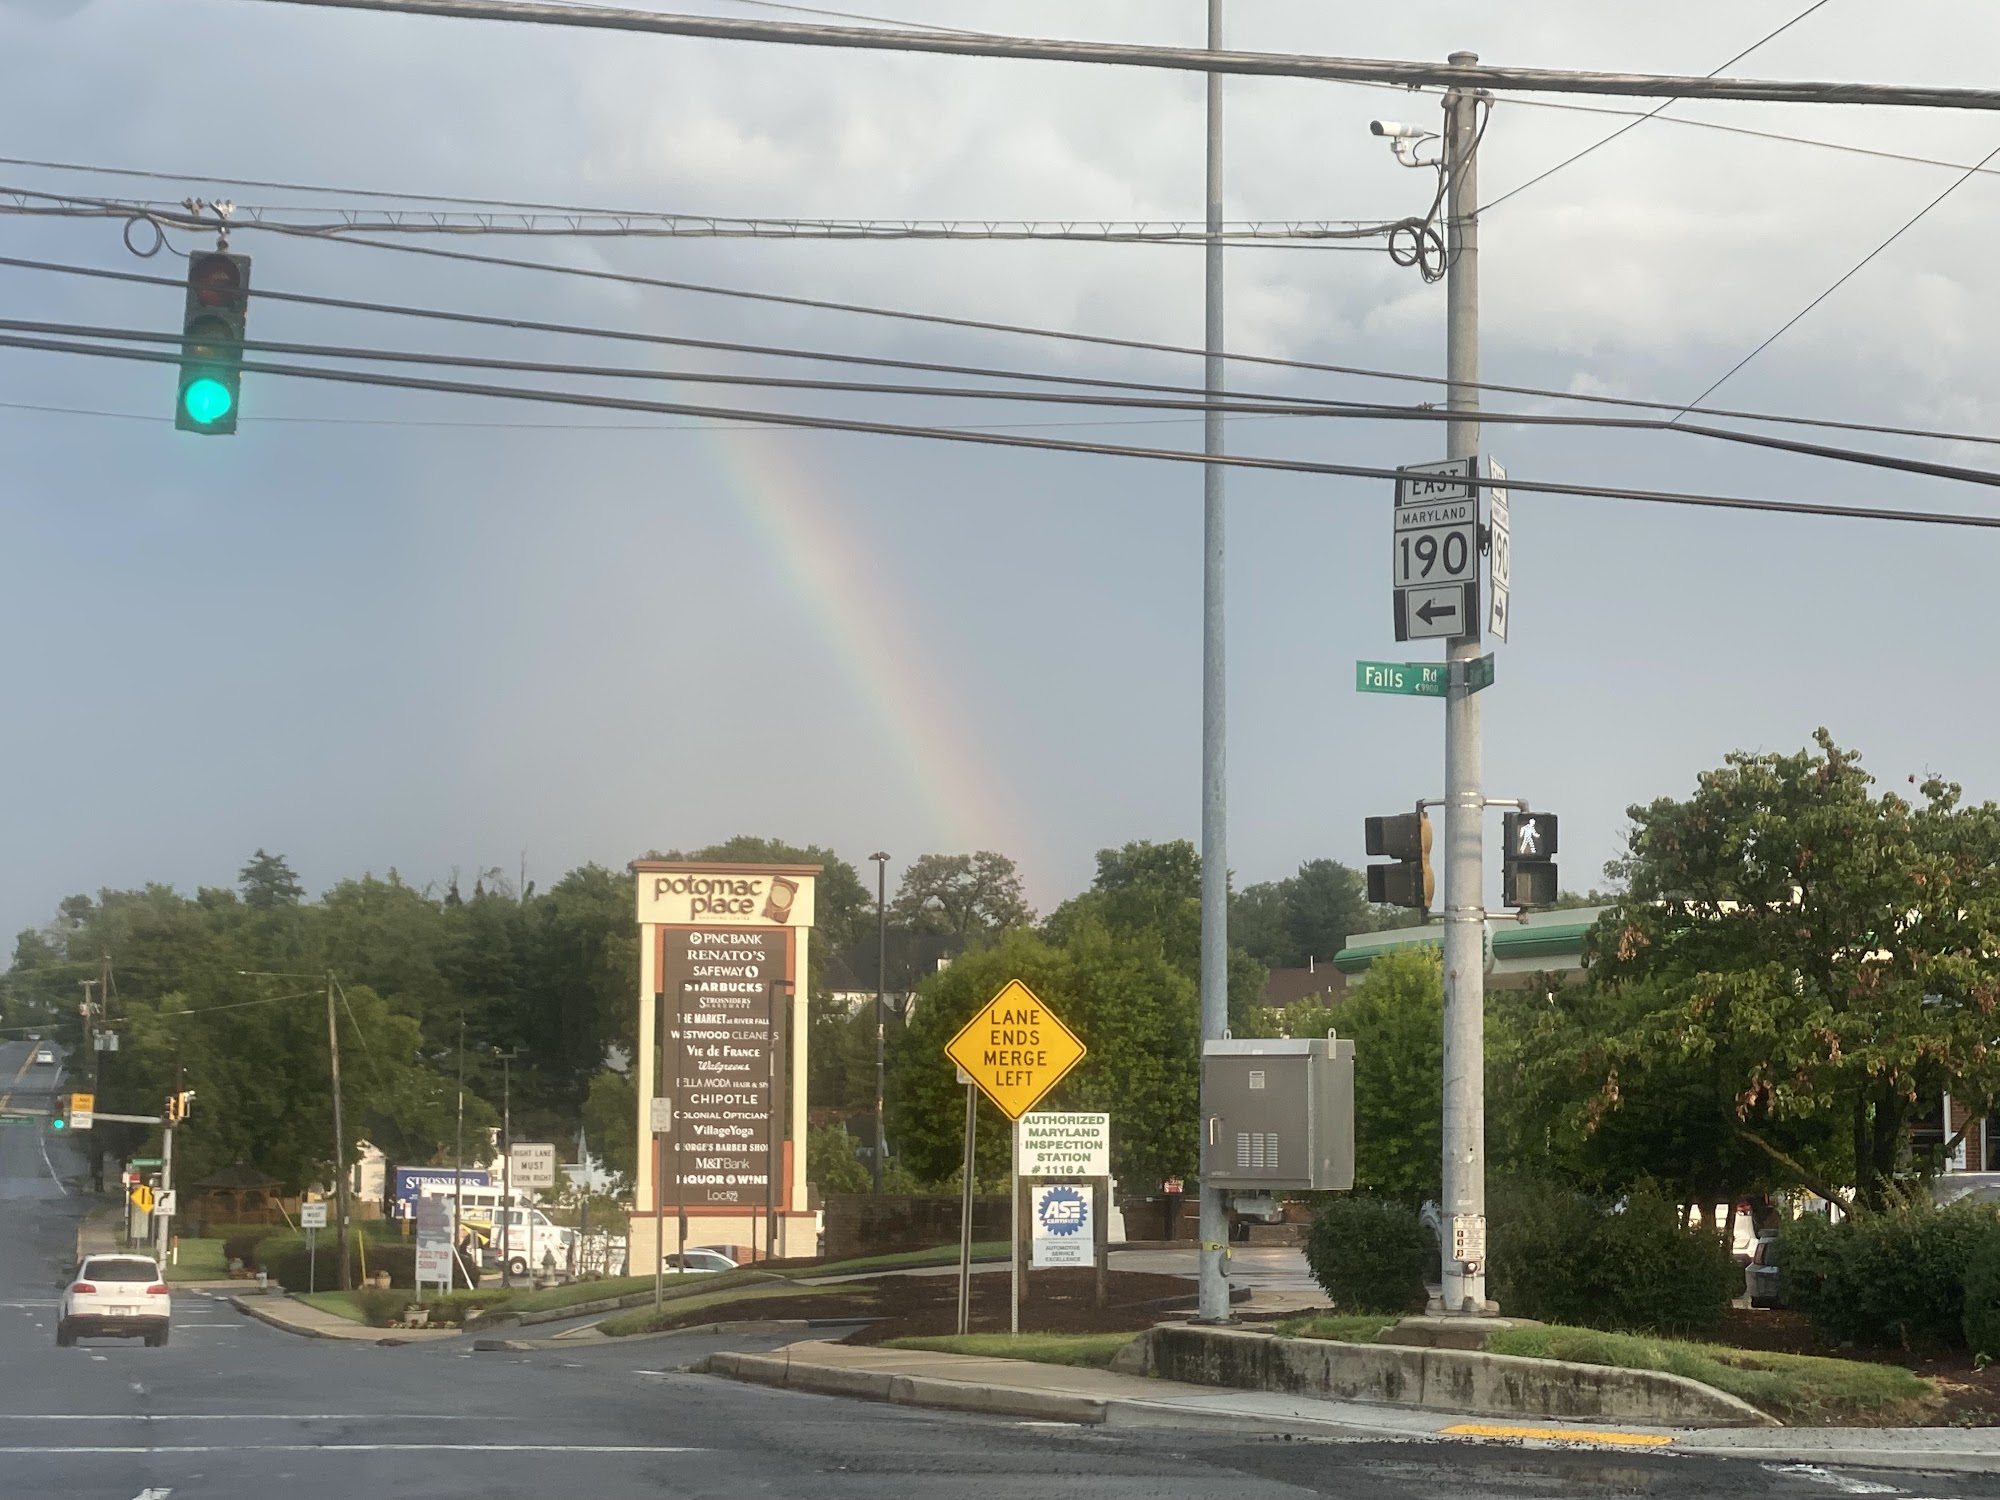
[[1281, 1114]]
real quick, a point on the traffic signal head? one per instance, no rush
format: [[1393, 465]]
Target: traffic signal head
[[60, 1120], [211, 376], [1527, 872], [1405, 838]]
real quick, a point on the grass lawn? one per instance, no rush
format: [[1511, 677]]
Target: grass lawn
[[1342, 1328], [676, 1312], [340, 1304], [1791, 1387], [200, 1260], [1795, 1388], [1091, 1350]]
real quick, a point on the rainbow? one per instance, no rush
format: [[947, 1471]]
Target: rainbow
[[790, 504]]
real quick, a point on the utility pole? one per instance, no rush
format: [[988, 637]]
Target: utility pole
[[339, 1144], [96, 1081], [881, 983], [1464, 1230], [1214, 1260]]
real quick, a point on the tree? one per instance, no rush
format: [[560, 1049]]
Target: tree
[[1828, 951], [969, 896], [831, 1163], [610, 1116], [1394, 1014], [268, 882], [1290, 923], [1152, 893]]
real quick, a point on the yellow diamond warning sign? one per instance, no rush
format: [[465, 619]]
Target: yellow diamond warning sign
[[1015, 1049]]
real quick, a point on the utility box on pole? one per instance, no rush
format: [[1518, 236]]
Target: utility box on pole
[[1280, 1114]]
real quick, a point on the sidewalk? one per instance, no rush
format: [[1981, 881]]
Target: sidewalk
[[293, 1316], [1060, 1393]]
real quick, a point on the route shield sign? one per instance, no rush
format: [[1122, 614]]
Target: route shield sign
[[1500, 594], [1015, 1049], [1434, 562]]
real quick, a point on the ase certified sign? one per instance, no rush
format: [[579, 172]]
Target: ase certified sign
[[1434, 561]]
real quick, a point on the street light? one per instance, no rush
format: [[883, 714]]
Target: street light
[[881, 976], [507, 1165]]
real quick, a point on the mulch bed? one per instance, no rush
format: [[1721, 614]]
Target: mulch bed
[[1056, 1301], [1972, 1397]]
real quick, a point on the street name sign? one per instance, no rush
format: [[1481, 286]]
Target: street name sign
[[1016, 1049], [1420, 679], [144, 1161], [312, 1216], [1434, 550], [1500, 593], [532, 1164], [1063, 1145], [1412, 679]]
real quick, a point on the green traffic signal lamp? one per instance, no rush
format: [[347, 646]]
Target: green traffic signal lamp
[[207, 400], [60, 1122]]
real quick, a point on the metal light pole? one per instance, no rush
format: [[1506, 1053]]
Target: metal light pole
[[1214, 1285], [1464, 1249], [881, 978], [507, 1163], [458, 1158]]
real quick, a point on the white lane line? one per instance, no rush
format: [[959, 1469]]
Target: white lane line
[[241, 1416], [1847, 1484], [51, 1450], [152, 1494], [51, 1165]]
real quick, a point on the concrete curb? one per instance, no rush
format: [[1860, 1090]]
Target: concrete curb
[[1446, 1380], [740, 1325], [382, 1337], [905, 1390], [283, 1325]]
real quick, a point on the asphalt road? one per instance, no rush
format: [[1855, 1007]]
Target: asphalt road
[[232, 1408]]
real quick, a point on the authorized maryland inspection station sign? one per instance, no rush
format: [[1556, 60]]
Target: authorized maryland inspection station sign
[[1053, 1145], [1015, 1049]]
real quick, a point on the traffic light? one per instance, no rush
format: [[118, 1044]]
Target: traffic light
[[60, 1120], [178, 1106], [1527, 872], [218, 298], [1405, 838]]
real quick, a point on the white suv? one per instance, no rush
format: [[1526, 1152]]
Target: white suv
[[114, 1296]]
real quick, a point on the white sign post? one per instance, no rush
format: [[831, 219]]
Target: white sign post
[[1499, 595], [532, 1165], [1064, 1145], [1434, 563]]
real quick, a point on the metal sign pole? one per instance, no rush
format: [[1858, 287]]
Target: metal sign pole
[[312, 1261], [965, 1213], [1014, 1219]]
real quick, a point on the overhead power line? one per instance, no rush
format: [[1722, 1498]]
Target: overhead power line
[[1183, 59], [985, 372], [997, 439], [1194, 404], [1650, 114], [331, 222]]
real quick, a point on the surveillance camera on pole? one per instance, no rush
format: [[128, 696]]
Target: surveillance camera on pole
[[1404, 140]]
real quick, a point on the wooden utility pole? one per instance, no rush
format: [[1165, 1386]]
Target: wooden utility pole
[[339, 1145]]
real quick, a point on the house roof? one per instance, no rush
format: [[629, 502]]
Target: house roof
[[912, 958]]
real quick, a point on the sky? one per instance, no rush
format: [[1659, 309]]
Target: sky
[[439, 634]]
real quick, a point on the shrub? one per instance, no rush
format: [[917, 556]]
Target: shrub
[[243, 1247], [1982, 1297], [1562, 1257], [1893, 1277], [1371, 1256]]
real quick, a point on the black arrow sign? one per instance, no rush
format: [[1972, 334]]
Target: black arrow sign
[[1431, 610]]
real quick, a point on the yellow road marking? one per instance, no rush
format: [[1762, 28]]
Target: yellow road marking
[[1561, 1435], [8, 1097]]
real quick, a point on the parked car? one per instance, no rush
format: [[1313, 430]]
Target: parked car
[[1760, 1277], [45, 1057], [115, 1296], [702, 1262]]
